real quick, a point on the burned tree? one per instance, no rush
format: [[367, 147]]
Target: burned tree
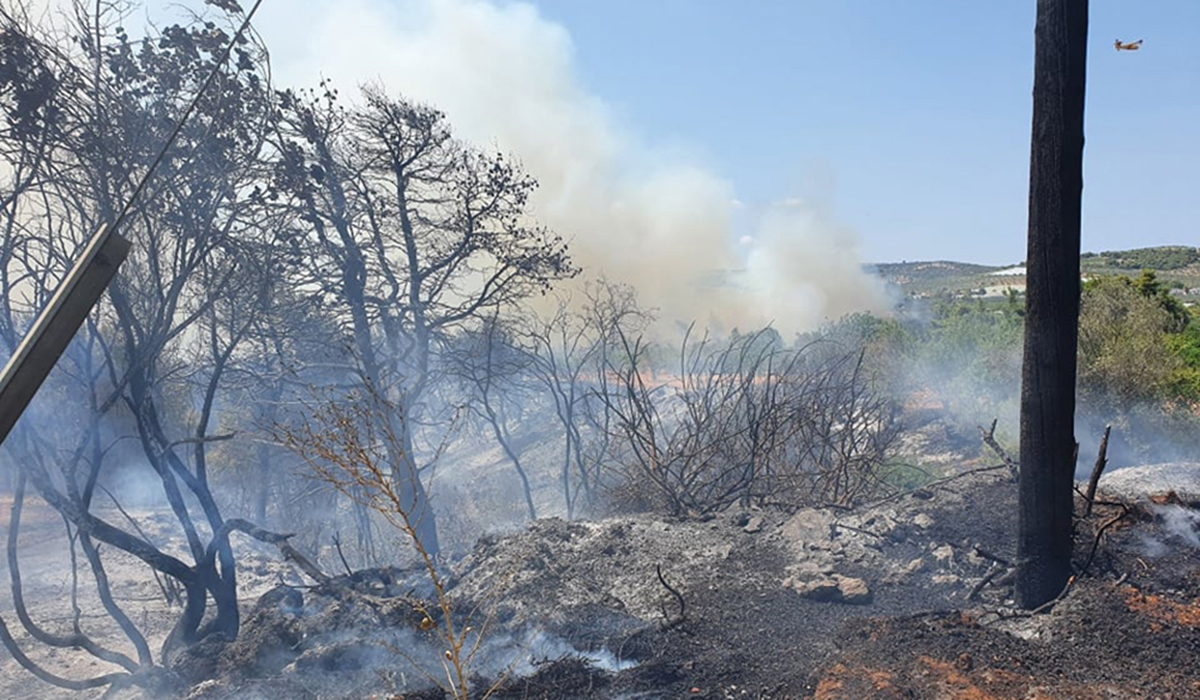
[[100, 120], [410, 236], [570, 350], [494, 373], [1052, 302], [537, 377]]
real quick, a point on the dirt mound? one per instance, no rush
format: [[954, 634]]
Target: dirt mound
[[555, 568], [906, 598], [946, 539], [336, 640], [762, 594], [770, 614]]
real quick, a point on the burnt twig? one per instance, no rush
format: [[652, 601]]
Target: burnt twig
[[844, 526], [1094, 481], [983, 582], [1044, 607], [1049, 604], [940, 483], [989, 439], [168, 586], [668, 621], [1100, 533], [337, 544], [289, 552]]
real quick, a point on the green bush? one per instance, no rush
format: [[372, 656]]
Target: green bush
[[1136, 342], [1139, 358], [1123, 351], [1185, 381]]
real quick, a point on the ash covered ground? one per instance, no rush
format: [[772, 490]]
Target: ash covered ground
[[907, 598]]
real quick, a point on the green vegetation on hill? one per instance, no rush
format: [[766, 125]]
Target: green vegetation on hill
[[1139, 362], [1161, 258], [1177, 267], [934, 269], [925, 278]]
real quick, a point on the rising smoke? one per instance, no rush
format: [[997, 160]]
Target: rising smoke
[[638, 214], [633, 211]]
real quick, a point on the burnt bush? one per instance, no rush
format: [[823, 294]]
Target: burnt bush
[[747, 421]]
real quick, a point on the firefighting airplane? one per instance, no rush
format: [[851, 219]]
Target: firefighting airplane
[[1131, 46]]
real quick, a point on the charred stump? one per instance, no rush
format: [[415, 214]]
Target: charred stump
[[1052, 302]]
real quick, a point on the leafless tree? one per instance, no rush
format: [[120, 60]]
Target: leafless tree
[[569, 350], [412, 236], [95, 108], [494, 370]]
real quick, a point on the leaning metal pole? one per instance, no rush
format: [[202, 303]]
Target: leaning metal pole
[[81, 288], [54, 328]]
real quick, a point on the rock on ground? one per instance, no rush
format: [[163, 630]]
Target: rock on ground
[[1153, 482]]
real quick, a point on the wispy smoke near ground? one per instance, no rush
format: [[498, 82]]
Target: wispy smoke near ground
[[1179, 525], [636, 213]]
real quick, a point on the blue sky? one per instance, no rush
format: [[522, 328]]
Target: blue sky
[[909, 119]]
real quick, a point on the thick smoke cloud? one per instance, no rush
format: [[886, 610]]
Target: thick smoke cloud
[[633, 211], [636, 213]]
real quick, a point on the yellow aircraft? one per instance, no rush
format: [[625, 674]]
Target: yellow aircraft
[[1131, 46]]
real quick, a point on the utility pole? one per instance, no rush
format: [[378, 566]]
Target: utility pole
[[1052, 303]]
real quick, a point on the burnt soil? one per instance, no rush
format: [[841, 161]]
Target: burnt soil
[[909, 597], [1127, 628]]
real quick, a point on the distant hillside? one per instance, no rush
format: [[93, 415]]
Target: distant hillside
[[1162, 258], [1177, 266], [933, 276], [936, 269]]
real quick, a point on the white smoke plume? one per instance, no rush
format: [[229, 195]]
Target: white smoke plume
[[639, 214], [632, 211]]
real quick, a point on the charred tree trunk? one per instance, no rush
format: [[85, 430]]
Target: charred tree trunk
[[416, 498], [1052, 302], [500, 431]]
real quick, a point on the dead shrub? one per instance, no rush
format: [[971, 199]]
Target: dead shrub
[[747, 421]]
